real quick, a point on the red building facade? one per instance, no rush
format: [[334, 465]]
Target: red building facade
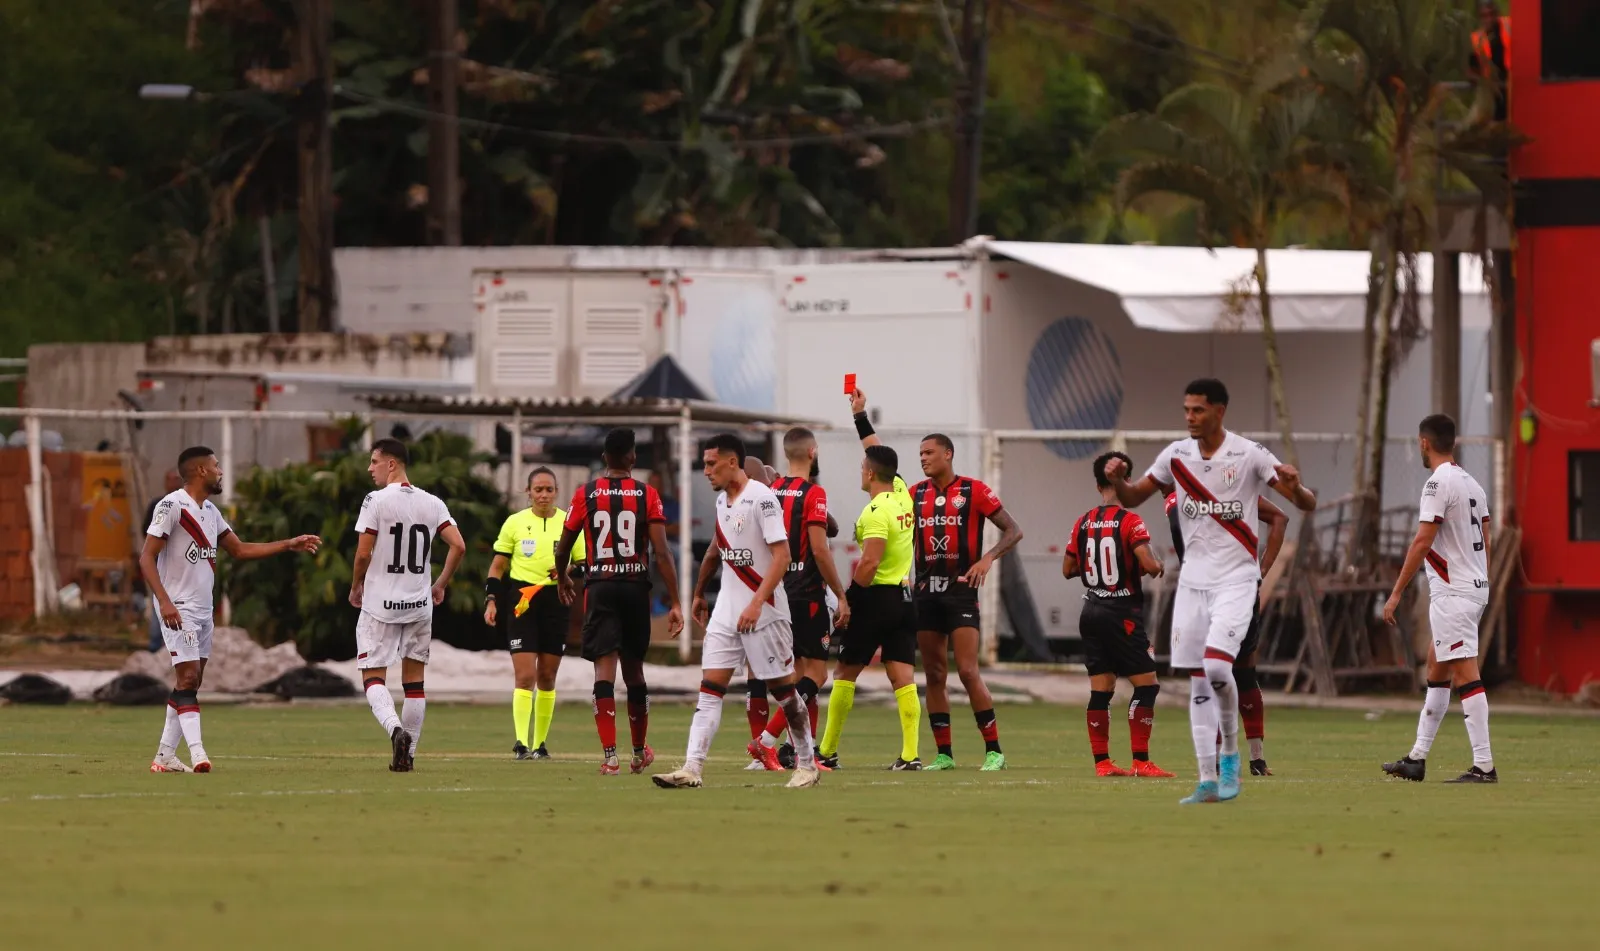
[[1554, 486]]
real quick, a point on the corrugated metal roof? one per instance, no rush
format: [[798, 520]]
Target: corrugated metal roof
[[567, 409]]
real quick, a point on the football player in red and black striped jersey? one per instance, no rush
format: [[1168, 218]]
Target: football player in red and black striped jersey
[[622, 521], [1110, 548], [949, 567]]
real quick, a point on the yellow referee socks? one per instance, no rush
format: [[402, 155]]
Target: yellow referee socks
[[840, 702], [544, 710], [910, 719], [521, 709]]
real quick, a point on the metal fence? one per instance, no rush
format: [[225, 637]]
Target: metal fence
[[1043, 476], [1046, 482]]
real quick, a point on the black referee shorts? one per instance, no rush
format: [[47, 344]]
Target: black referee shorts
[[537, 618], [616, 619], [1114, 641], [881, 618]]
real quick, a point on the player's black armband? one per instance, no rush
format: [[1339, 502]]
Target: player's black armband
[[494, 587], [863, 426]]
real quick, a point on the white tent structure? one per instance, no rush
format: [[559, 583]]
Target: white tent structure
[[1186, 290]]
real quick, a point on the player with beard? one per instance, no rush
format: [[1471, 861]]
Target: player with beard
[[1453, 541], [179, 565]]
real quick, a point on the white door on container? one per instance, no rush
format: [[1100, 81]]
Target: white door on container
[[907, 330], [616, 329], [727, 336], [522, 320]]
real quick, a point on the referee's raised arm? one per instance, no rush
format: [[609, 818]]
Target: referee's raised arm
[[858, 407]]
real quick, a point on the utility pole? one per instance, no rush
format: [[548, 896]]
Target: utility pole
[[971, 95], [444, 130], [315, 295]]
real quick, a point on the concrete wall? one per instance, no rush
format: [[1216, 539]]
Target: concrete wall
[[84, 376]]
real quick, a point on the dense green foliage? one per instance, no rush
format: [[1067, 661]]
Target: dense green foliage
[[652, 121], [305, 599]]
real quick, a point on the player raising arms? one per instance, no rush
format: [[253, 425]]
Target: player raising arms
[[750, 626], [880, 609], [810, 575], [1453, 538], [622, 521], [179, 565], [394, 589], [1252, 710], [1218, 476], [522, 577], [1110, 548], [950, 511]]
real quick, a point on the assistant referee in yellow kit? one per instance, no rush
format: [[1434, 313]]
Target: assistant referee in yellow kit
[[536, 629]]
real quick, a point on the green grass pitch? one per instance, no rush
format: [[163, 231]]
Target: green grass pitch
[[302, 839]]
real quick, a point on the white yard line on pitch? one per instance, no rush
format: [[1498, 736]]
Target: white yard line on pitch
[[252, 793]]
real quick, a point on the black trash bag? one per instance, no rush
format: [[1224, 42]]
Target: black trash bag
[[133, 690], [32, 688], [308, 682]]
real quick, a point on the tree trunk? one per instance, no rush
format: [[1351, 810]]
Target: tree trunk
[[444, 133], [1382, 365], [1269, 337], [1358, 481], [315, 296]]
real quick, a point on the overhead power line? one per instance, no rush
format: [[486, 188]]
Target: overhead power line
[[890, 131]]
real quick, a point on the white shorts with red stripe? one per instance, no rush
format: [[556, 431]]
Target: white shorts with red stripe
[[769, 649], [1210, 622], [192, 641], [379, 644], [1454, 621]]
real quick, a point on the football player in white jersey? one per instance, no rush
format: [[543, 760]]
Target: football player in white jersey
[[751, 624], [1219, 477], [179, 565], [1453, 540], [394, 589]]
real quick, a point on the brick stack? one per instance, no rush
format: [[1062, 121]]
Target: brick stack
[[66, 514], [16, 541]]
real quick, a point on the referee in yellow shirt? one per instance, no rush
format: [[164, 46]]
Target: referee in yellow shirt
[[536, 628], [880, 614]]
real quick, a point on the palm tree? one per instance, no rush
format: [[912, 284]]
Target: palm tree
[[1385, 68], [1245, 159]]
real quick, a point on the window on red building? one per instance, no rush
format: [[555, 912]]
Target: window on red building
[[1584, 506], [1569, 41]]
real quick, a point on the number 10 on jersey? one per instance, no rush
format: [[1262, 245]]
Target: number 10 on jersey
[[416, 542]]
